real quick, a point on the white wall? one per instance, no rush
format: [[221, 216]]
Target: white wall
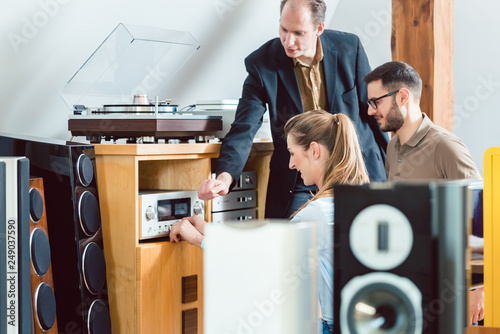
[[372, 24], [44, 42], [477, 76]]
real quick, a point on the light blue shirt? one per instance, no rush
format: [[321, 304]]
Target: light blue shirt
[[321, 211]]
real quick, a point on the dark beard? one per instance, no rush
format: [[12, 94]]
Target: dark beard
[[394, 119]]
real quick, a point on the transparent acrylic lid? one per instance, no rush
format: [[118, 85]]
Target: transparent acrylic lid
[[132, 60]]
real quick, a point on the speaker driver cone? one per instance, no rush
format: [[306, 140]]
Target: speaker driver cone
[[99, 321], [89, 214], [40, 252], [381, 303], [94, 268], [380, 310], [45, 306]]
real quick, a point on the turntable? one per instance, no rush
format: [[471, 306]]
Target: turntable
[[109, 93]]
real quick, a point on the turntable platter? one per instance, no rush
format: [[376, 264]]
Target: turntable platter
[[135, 109], [160, 120]]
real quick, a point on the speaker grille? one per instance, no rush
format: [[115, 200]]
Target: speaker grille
[[40, 252], [94, 268], [85, 170], [45, 306], [36, 205], [99, 321], [89, 214]]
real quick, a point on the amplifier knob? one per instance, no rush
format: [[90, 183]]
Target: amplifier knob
[[198, 207], [150, 213], [248, 180]]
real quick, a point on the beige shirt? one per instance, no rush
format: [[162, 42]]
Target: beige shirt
[[311, 81], [431, 153]]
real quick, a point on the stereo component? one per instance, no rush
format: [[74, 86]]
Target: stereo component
[[275, 283], [15, 295], [247, 180], [400, 258], [120, 108], [236, 215], [74, 229], [161, 208], [235, 200], [240, 203], [42, 284]]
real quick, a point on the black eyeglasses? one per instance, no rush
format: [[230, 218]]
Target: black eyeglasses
[[373, 102]]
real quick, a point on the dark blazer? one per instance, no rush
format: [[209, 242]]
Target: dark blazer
[[271, 80]]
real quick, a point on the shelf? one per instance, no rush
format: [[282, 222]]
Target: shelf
[[145, 279]]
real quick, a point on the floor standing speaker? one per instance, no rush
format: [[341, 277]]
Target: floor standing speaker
[[42, 285], [271, 288], [400, 258], [14, 242], [3, 245], [74, 226]]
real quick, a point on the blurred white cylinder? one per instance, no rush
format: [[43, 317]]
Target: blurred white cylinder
[[260, 277]]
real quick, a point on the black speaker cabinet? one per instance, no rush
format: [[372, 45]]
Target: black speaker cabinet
[[15, 298], [74, 226], [399, 258], [42, 284]]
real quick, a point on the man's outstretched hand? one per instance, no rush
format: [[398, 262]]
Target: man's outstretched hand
[[210, 188]]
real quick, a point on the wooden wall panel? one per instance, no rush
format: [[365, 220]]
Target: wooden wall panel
[[422, 36]]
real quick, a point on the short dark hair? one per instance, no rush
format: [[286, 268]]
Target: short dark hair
[[396, 75], [318, 9]]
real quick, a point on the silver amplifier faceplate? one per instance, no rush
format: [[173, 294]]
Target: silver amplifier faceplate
[[236, 215], [159, 209], [247, 180], [240, 199]]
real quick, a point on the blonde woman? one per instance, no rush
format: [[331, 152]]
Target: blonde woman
[[324, 149]]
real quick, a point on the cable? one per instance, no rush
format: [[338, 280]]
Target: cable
[[189, 107]]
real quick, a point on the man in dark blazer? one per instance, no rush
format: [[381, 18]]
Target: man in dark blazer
[[307, 67]]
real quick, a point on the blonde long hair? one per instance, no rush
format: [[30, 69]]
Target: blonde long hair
[[336, 132]]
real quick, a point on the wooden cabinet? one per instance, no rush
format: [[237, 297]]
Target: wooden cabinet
[[145, 280]]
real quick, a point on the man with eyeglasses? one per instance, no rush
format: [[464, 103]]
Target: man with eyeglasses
[[419, 149]]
